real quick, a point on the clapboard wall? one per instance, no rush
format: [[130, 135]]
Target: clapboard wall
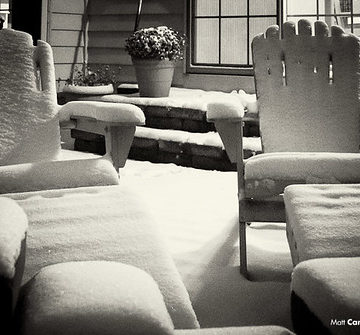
[[106, 24], [95, 31], [66, 27], [112, 21]]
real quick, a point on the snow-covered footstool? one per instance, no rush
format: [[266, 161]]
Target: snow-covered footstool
[[323, 221], [93, 298], [325, 296]]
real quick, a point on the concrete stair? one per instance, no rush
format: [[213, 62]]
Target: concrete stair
[[177, 135]]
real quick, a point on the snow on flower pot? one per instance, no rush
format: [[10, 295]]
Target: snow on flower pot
[[86, 81], [154, 76], [89, 90]]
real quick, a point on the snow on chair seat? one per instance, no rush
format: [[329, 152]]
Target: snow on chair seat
[[323, 221], [267, 175]]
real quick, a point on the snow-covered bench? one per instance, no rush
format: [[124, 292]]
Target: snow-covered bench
[[103, 268]]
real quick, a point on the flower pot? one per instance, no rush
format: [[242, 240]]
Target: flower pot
[[154, 76]]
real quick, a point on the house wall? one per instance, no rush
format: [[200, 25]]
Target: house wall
[[65, 33], [110, 22]]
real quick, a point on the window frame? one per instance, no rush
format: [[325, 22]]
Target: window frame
[[203, 68], [282, 16]]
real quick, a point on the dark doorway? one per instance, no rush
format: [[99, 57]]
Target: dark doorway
[[26, 16]]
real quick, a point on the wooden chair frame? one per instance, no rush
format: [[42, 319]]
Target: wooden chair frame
[[267, 209]]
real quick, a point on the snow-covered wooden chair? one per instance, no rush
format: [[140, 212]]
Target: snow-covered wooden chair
[[308, 98], [30, 153], [134, 289]]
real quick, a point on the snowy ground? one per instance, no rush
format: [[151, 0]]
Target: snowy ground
[[197, 213]]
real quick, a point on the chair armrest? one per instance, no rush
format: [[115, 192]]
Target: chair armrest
[[227, 117], [230, 110], [116, 121], [112, 113]]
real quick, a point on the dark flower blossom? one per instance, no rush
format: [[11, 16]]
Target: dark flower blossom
[[156, 43]]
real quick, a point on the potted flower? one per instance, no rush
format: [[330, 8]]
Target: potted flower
[[88, 82], [154, 52]]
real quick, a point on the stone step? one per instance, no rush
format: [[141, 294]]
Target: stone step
[[184, 109], [176, 129], [198, 150]]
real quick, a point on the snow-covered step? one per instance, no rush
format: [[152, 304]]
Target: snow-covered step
[[199, 150], [184, 109]]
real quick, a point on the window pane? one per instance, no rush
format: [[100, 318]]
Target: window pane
[[357, 26], [206, 7], [345, 5], [301, 7], [356, 5], [331, 7], [233, 41], [234, 7], [259, 26], [262, 7], [207, 41]]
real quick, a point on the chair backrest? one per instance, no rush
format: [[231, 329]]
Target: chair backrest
[[29, 128], [307, 88]]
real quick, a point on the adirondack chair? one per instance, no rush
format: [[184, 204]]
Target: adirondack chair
[[30, 154], [308, 96]]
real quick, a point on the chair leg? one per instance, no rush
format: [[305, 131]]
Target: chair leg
[[242, 246]]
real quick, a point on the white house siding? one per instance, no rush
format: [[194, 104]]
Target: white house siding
[[112, 21], [109, 23], [65, 34]]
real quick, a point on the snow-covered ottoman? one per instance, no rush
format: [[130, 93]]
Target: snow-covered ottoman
[[95, 298], [323, 221], [325, 296], [108, 223]]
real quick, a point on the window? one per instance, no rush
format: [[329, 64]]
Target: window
[[345, 13], [220, 31]]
